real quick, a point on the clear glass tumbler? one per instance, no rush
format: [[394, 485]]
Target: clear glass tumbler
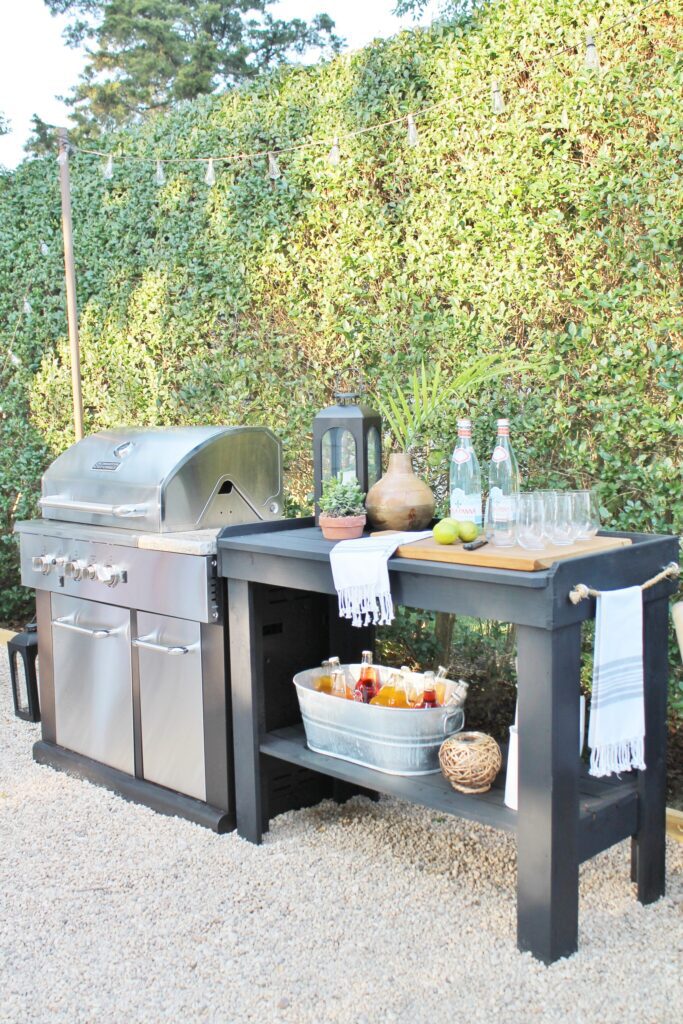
[[586, 513], [530, 527], [564, 529]]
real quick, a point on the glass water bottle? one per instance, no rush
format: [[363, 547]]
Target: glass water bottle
[[503, 489]]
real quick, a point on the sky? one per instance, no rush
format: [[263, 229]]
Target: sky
[[36, 65]]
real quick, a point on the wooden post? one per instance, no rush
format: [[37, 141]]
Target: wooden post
[[70, 278]]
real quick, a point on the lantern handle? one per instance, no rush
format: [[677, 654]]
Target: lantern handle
[[348, 396]]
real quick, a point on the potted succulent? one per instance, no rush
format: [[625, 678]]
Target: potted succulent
[[342, 509]]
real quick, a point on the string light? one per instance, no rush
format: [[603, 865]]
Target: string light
[[159, 176], [412, 131], [108, 172], [592, 58], [44, 248], [210, 176], [274, 171], [334, 155], [28, 308], [14, 359], [497, 101]]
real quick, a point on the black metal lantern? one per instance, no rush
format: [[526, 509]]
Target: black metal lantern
[[23, 652], [347, 442]]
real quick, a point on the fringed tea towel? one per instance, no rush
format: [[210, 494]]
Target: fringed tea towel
[[617, 724], [361, 577]]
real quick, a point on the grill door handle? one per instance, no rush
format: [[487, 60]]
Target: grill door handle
[[94, 634], [151, 645], [119, 511]]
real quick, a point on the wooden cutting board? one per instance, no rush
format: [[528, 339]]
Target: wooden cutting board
[[504, 558]]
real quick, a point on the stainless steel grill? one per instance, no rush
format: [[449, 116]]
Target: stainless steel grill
[[129, 613]]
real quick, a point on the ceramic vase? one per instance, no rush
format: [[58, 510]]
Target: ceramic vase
[[400, 500]]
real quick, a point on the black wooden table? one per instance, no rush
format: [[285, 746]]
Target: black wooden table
[[564, 816]]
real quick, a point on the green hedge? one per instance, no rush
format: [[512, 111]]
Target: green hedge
[[552, 231]]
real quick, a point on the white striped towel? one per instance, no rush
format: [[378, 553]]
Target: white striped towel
[[616, 731], [361, 577]]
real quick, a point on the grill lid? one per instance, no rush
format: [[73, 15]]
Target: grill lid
[[167, 479]]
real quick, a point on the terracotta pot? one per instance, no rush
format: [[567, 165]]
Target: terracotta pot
[[400, 500], [341, 527]]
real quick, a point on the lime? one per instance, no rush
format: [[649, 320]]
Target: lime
[[468, 531], [445, 532]]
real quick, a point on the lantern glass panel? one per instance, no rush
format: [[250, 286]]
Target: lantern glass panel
[[338, 454], [374, 456], [20, 681]]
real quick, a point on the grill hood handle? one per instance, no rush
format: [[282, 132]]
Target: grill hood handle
[[120, 511]]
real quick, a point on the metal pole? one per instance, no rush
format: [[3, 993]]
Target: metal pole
[[70, 277]]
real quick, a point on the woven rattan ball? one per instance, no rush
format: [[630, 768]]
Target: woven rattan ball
[[470, 761]]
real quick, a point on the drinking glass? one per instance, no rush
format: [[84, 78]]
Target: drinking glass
[[564, 529], [548, 500], [586, 513], [530, 525]]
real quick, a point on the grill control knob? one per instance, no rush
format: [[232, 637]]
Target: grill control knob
[[108, 574], [76, 570], [42, 563]]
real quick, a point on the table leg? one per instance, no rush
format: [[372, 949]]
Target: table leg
[[247, 709], [648, 846], [548, 816]]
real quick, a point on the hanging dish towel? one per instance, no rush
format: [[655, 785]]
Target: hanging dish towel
[[617, 723], [361, 577]]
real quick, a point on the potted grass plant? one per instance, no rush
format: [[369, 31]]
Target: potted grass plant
[[342, 509]]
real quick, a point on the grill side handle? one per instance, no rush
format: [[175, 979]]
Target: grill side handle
[[151, 645], [96, 508], [72, 627]]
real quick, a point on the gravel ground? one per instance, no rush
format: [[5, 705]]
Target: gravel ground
[[361, 914]]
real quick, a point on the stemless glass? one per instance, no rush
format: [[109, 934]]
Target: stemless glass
[[530, 527], [564, 529], [548, 499], [586, 513]]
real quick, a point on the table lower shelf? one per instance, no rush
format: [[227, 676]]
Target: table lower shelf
[[608, 809]]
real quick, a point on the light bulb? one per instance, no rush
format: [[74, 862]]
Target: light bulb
[[159, 176], [334, 155], [44, 248], [592, 58], [497, 100], [15, 360], [274, 171], [108, 172], [28, 308], [210, 176], [412, 131]]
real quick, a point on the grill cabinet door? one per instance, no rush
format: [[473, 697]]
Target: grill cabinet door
[[92, 680], [171, 703]]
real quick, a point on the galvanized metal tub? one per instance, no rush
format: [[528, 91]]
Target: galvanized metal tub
[[394, 740]]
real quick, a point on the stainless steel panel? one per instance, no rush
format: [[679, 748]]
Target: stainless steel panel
[[167, 479], [92, 680], [165, 582], [171, 705]]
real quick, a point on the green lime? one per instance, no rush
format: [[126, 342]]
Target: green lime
[[445, 532], [468, 531]]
